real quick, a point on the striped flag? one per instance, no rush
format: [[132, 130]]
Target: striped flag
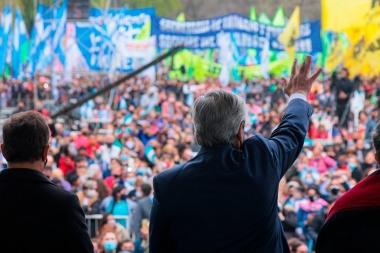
[[20, 50], [150, 154], [5, 31]]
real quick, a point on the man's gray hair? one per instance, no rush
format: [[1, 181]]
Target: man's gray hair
[[217, 116]]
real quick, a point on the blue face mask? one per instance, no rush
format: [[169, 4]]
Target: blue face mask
[[123, 157], [141, 171], [352, 166], [98, 156], [110, 246], [131, 181], [309, 181]]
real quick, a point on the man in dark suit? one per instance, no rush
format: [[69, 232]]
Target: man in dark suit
[[353, 223], [36, 215], [225, 199], [143, 208]]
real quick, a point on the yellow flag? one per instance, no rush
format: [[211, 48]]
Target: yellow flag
[[291, 32], [341, 14], [336, 56], [372, 51], [181, 17], [372, 17], [354, 58]]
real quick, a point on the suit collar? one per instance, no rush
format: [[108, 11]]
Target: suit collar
[[217, 147], [23, 173], [227, 151]]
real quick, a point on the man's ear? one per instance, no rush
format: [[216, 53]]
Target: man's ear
[[376, 158], [2, 150], [240, 134], [45, 154]]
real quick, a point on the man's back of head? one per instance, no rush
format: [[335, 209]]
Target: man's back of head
[[51, 218], [26, 140]]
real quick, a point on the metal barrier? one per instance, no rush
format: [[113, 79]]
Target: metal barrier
[[93, 222]]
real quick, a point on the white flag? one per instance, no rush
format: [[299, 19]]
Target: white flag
[[264, 66]]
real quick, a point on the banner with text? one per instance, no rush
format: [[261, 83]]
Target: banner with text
[[228, 30]]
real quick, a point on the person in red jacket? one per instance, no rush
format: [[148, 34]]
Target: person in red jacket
[[353, 224], [322, 133], [66, 163]]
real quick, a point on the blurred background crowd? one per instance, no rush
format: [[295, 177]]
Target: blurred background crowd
[[110, 148]]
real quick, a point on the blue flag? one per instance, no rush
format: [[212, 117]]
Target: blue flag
[[20, 47], [5, 31]]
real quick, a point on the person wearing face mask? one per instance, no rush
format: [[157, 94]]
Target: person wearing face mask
[[89, 198], [118, 204], [169, 109], [143, 208], [130, 144], [149, 100], [124, 159], [76, 183], [145, 133], [310, 206], [90, 202], [108, 242], [126, 246], [94, 173], [108, 150], [116, 173], [108, 222], [104, 167]]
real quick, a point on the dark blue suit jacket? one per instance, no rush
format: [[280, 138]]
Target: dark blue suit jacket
[[225, 200]]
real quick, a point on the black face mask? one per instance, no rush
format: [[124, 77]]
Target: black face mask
[[109, 145], [123, 196], [335, 189], [312, 198]]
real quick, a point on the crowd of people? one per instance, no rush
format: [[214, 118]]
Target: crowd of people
[[109, 155]]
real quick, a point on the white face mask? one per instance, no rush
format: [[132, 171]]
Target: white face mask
[[83, 179], [309, 154], [138, 194], [91, 193]]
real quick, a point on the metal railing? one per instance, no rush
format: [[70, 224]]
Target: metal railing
[[93, 222]]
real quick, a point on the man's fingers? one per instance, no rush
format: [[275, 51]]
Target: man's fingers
[[301, 70], [305, 66], [294, 68], [315, 76]]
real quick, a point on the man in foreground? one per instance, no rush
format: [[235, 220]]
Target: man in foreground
[[36, 215], [353, 224], [225, 199]]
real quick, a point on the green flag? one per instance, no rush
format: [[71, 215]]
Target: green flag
[[181, 17], [279, 18], [252, 14], [145, 32], [264, 19]]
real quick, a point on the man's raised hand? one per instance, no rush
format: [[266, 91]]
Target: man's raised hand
[[300, 82]]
